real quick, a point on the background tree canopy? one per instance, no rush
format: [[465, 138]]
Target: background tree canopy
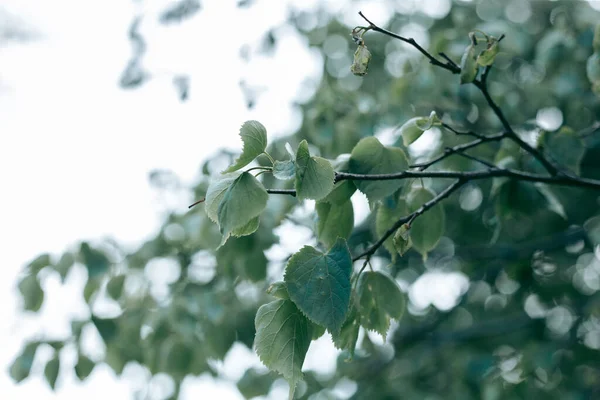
[[487, 179]]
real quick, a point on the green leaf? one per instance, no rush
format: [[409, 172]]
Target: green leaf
[[279, 290], [21, 366], [84, 367], [362, 56], [385, 218], [254, 136], [96, 262], [283, 336], [33, 295], [245, 199], [215, 193], [248, 229], [39, 262], [314, 175], [468, 63], [566, 147], [341, 193], [284, 170], [414, 127], [334, 222], [347, 337], [107, 328], [427, 230], [51, 371], [317, 331], [114, 287], [380, 300], [596, 40], [402, 240], [319, 283], [369, 156], [592, 228], [64, 264], [255, 383], [176, 357], [487, 56]]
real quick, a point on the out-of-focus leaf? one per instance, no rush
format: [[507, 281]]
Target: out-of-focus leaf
[[32, 292], [180, 11], [427, 230], [96, 262], [84, 367], [21, 366], [51, 371], [334, 221]]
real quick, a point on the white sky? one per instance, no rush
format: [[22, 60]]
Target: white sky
[[75, 149]]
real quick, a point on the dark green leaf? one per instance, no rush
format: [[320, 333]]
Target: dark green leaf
[[107, 328], [566, 147], [51, 371], [369, 156], [84, 367], [114, 287], [319, 283], [21, 366], [96, 262]]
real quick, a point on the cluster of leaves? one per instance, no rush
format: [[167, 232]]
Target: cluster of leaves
[[527, 324]]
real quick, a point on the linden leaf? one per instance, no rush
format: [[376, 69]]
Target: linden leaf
[[214, 195], [385, 218], [314, 175], [414, 127], [283, 336], [319, 284], [379, 301], [335, 221], [468, 63], [402, 240], [254, 137], [427, 230], [243, 201], [369, 156]]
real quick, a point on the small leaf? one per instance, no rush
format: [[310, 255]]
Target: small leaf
[[215, 193], [84, 367], [245, 199], [21, 366], [284, 170], [314, 175], [114, 287], [380, 300], [385, 218], [347, 337], [283, 336], [487, 56], [334, 222], [427, 230], [468, 64], [362, 56], [51, 371], [369, 156], [96, 262], [254, 136], [33, 295], [592, 228], [64, 264], [566, 147], [414, 127], [279, 290], [402, 240], [319, 283]]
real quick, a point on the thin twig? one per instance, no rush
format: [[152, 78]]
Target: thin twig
[[477, 159]]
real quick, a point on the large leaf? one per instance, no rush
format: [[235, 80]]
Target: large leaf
[[369, 156], [254, 136], [427, 230], [283, 336], [314, 175], [379, 300], [566, 147], [215, 193], [243, 201], [335, 221], [319, 284]]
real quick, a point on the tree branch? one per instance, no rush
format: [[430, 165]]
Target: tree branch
[[411, 217]]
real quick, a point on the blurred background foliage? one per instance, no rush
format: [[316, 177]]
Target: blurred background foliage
[[526, 325]]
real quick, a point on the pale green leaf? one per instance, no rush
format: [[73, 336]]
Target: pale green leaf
[[254, 137], [284, 170], [414, 127], [248, 229], [362, 56], [319, 283], [427, 230], [487, 56], [243, 201], [21, 366], [314, 175], [402, 240], [214, 195], [379, 300], [334, 221], [468, 65], [283, 336], [369, 156]]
